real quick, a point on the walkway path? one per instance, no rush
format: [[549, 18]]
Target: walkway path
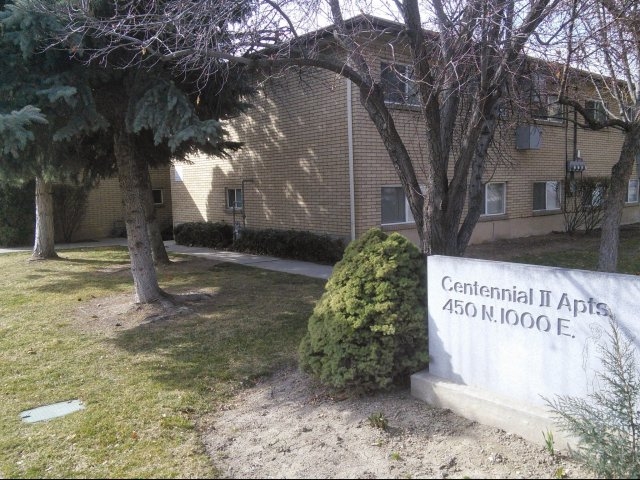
[[259, 261]]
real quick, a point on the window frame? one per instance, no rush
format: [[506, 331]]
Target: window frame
[[403, 74], [153, 190], [599, 114], [408, 215], [484, 213], [597, 196], [227, 202], [558, 196], [544, 106], [637, 193]]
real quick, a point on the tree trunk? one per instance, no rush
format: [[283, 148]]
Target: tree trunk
[[44, 244], [158, 252], [143, 270], [620, 174]]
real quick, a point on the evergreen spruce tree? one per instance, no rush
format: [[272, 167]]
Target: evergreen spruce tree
[[147, 111], [154, 112], [45, 106], [150, 112]]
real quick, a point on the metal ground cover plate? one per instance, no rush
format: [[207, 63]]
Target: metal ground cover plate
[[47, 412]]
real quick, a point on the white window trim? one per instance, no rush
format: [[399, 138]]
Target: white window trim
[[545, 100], [637, 200], [226, 198], [161, 196], [558, 197], [407, 80], [539, 91], [504, 200], [597, 102], [407, 209], [597, 196]]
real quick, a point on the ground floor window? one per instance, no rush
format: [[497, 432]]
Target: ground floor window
[[394, 206], [234, 198], [546, 196], [632, 191], [495, 195], [597, 196], [158, 197]]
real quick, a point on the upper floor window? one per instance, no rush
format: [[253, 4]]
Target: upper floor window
[[596, 109], [234, 198], [495, 195], [546, 196], [398, 84], [632, 191], [544, 105], [395, 206]]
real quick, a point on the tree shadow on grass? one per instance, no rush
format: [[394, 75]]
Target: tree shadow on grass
[[249, 325]]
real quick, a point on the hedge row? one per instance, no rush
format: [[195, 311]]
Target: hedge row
[[17, 215], [294, 244]]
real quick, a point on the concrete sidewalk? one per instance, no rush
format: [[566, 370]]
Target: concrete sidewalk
[[258, 261]]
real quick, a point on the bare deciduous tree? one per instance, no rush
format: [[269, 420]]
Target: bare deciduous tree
[[461, 76], [604, 42]]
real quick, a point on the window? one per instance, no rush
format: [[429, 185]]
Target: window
[[395, 207], [596, 109], [398, 84], [234, 198], [494, 199], [544, 105], [632, 191], [158, 197], [597, 196], [546, 196]]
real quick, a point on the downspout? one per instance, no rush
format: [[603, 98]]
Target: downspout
[[244, 203], [352, 191]]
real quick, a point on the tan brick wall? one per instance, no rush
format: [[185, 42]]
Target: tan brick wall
[[600, 150], [518, 168], [104, 207], [295, 155]]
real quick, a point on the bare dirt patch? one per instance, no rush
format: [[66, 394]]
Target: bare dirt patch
[[109, 315], [287, 426]]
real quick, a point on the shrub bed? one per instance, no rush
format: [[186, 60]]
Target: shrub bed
[[294, 244], [17, 215], [204, 234]]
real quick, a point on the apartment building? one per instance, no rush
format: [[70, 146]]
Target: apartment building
[[312, 160], [104, 216]]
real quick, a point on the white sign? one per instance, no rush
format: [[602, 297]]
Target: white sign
[[523, 331]]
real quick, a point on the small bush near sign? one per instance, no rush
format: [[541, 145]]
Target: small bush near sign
[[606, 425], [368, 331]]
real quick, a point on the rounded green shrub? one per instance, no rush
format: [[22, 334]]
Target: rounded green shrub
[[368, 330]]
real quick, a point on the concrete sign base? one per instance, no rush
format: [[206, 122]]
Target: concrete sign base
[[528, 421]]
